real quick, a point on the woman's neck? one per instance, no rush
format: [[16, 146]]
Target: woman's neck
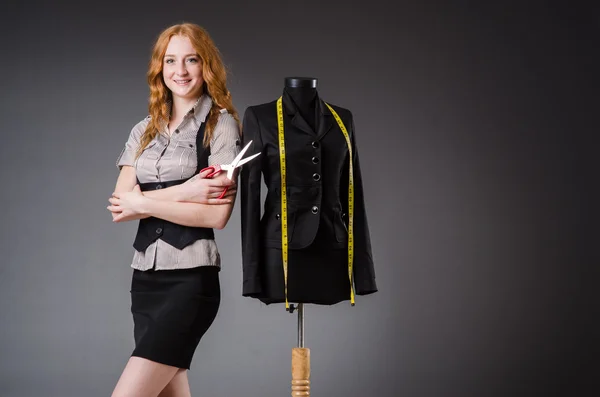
[[180, 106]]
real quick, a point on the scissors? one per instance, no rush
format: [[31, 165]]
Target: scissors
[[237, 162]]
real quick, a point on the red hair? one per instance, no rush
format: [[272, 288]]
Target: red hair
[[213, 73]]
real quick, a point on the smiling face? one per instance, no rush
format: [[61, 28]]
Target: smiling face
[[182, 69]]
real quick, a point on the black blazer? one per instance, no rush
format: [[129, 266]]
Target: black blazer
[[317, 190]]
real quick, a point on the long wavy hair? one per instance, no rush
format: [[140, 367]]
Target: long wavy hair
[[213, 72]]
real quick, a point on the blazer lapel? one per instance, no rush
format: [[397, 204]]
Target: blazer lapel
[[325, 121], [299, 122], [296, 118]]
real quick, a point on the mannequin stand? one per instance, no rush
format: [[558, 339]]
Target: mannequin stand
[[300, 359]]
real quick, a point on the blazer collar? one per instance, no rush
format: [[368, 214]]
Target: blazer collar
[[324, 119]]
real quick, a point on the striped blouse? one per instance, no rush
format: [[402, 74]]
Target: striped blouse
[[169, 158]]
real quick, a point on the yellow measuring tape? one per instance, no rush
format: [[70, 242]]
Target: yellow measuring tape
[[284, 234]]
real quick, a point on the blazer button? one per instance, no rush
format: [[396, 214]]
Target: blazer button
[[315, 160], [158, 187], [315, 144], [158, 230], [277, 216], [315, 209], [316, 177]]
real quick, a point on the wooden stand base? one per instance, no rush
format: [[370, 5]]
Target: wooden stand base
[[300, 372]]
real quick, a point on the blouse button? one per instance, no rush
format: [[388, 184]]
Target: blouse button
[[316, 177], [158, 230], [314, 209]]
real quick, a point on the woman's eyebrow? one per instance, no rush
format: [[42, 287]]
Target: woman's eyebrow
[[186, 55]]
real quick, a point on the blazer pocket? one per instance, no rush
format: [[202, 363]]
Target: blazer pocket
[[271, 227], [339, 226]]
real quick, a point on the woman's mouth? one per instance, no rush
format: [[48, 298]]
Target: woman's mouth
[[182, 82]]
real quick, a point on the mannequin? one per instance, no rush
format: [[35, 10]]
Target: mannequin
[[317, 163], [303, 91], [317, 194]]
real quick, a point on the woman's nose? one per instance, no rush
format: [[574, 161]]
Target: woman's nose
[[181, 70]]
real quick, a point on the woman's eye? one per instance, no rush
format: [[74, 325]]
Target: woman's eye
[[193, 60], [169, 61]]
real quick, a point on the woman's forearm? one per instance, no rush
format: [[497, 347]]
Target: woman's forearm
[[188, 214], [125, 183], [171, 193], [197, 190]]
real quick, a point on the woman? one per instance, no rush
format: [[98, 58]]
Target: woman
[[175, 291]]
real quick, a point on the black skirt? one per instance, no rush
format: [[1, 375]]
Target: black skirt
[[172, 309]]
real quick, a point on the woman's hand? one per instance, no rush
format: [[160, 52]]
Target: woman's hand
[[199, 189], [128, 206]]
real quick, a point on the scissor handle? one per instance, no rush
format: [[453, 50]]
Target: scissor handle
[[224, 191], [214, 170]]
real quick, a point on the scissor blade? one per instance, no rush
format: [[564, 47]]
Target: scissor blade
[[240, 163], [237, 158], [244, 161]]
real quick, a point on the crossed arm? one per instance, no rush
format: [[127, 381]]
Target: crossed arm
[[193, 203]]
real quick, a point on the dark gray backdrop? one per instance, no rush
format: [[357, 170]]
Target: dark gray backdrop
[[475, 131]]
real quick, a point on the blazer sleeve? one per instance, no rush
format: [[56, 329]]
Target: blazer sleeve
[[364, 270], [250, 179]]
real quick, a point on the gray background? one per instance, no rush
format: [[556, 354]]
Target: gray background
[[475, 129]]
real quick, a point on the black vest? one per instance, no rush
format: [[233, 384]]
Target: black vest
[[150, 229]]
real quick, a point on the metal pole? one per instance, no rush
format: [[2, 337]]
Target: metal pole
[[300, 325]]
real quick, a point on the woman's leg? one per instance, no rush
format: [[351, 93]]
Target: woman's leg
[[178, 386], [143, 378]]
